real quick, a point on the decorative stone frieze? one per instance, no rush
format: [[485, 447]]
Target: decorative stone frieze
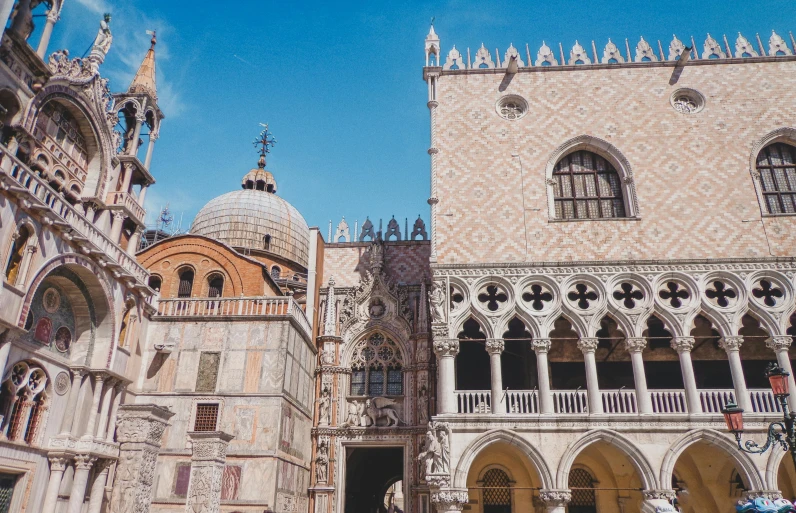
[[139, 431], [666, 495], [209, 454]]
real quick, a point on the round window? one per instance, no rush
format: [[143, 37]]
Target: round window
[[687, 101], [512, 107]]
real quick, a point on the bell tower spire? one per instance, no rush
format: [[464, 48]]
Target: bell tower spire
[[144, 80]]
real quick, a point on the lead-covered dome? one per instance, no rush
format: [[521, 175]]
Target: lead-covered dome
[[256, 218]]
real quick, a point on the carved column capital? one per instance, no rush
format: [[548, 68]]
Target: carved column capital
[[588, 344], [84, 461], [495, 345], [119, 215], [446, 347], [541, 345], [635, 344], [449, 499], [666, 495], [779, 342], [59, 463], [682, 344], [732, 343], [558, 498]]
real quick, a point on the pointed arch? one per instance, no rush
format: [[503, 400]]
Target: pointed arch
[[574, 320], [397, 338], [784, 136], [605, 150], [531, 325], [501, 435], [636, 456], [719, 322], [474, 314], [744, 463]]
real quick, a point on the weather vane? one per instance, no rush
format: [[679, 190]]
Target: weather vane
[[263, 143]]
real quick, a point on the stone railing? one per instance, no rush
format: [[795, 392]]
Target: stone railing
[[35, 193], [622, 401], [128, 201], [234, 307]]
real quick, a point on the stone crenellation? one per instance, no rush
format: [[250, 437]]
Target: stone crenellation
[[611, 53], [368, 232]]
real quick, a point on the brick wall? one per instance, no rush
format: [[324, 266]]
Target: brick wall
[[696, 195]]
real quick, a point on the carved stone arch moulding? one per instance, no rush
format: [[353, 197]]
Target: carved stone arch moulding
[[785, 135], [604, 149]]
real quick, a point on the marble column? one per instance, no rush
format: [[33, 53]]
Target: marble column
[[83, 464], [76, 394], [135, 241], [117, 400], [447, 500], [683, 346], [133, 147], [58, 465], [107, 395], [635, 346], [44, 42], [732, 345], [658, 501], [116, 226], [99, 380], [138, 431], [208, 456], [541, 347], [150, 150], [5, 350], [495, 346], [780, 344], [588, 346], [446, 350], [555, 500], [97, 494]]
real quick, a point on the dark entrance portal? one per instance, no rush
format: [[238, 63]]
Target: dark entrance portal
[[370, 472]]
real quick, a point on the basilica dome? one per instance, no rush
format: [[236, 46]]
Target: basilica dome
[[255, 218]]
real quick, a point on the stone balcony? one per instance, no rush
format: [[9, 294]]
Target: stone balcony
[[35, 195], [128, 203], [614, 402]]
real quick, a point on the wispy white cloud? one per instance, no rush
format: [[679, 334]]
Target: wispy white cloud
[[99, 6]]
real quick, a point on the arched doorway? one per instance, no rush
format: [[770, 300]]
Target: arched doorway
[[370, 474], [709, 480]]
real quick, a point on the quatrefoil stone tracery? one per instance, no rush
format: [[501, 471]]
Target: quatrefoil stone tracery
[[492, 297], [582, 296], [767, 292], [721, 293], [537, 296], [674, 294], [628, 294]]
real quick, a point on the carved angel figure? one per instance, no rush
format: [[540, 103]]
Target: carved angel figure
[[353, 416], [437, 299], [104, 37]]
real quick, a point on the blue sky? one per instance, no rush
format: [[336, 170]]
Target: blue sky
[[340, 83]]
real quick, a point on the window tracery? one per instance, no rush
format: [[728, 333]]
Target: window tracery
[[586, 186], [377, 368], [776, 165], [24, 402]]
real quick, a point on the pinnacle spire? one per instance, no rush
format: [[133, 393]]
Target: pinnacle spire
[[144, 81]]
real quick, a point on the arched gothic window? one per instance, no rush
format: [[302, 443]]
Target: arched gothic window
[[276, 272], [215, 286], [17, 254], [497, 491], [186, 283], [377, 368], [586, 186], [776, 164], [24, 402], [583, 499]]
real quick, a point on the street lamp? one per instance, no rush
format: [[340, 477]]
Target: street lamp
[[782, 432]]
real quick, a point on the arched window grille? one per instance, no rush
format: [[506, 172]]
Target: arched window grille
[[24, 403], [776, 164], [17, 254], [583, 499], [57, 123], [186, 283], [276, 272], [586, 186], [377, 368], [215, 286], [497, 491]]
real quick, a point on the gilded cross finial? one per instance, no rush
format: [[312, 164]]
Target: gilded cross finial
[[264, 142]]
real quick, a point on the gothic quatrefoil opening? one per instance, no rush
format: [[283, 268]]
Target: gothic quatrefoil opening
[[537, 297], [457, 298], [674, 293], [721, 293], [492, 298], [628, 295], [767, 292], [582, 296]]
